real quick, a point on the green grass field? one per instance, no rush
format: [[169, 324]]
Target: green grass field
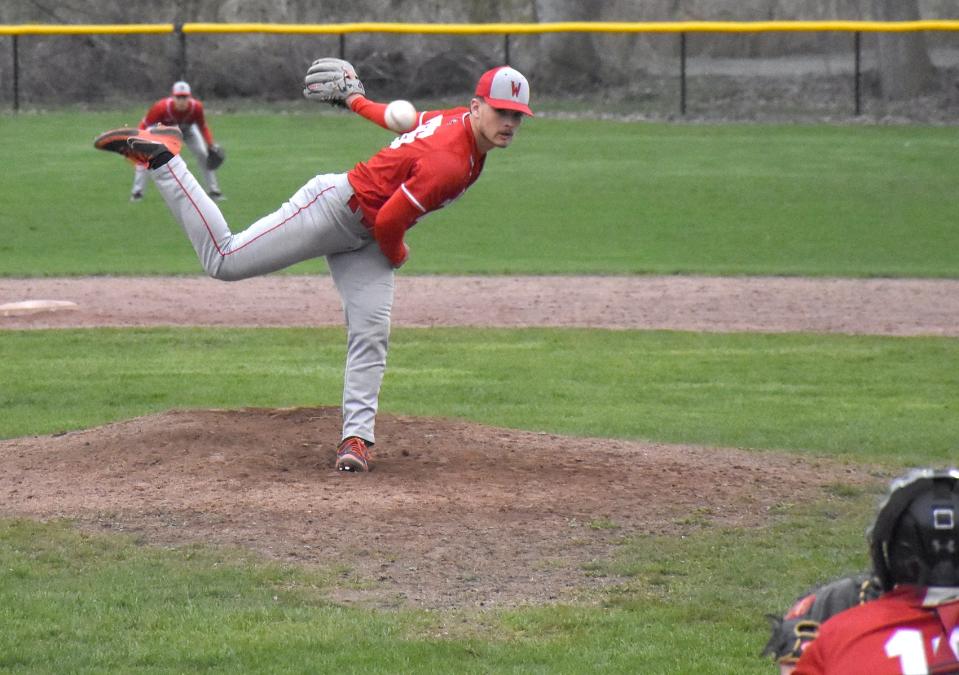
[[865, 398], [569, 197]]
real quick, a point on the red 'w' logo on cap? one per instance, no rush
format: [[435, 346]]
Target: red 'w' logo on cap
[[517, 87]]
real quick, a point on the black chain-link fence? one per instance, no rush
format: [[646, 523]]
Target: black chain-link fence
[[661, 75]]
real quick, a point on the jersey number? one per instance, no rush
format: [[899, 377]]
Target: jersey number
[[907, 645], [422, 131]]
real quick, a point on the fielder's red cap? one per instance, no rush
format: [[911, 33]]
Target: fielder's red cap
[[180, 88], [505, 88]]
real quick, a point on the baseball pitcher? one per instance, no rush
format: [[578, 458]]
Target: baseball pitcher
[[356, 219]]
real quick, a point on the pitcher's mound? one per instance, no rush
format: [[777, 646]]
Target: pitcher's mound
[[454, 514]]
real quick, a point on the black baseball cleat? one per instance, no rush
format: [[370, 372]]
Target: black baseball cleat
[[152, 147]]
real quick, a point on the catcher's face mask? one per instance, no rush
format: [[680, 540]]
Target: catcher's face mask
[[915, 538]]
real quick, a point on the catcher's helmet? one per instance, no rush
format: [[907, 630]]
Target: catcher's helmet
[[915, 538]]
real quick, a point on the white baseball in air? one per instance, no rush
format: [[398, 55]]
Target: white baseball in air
[[400, 116]]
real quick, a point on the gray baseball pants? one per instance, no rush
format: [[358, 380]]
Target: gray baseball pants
[[316, 221]]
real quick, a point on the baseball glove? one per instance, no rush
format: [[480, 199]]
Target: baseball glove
[[331, 81], [800, 625], [215, 156]]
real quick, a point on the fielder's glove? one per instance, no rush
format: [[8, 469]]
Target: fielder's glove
[[800, 625], [215, 156], [331, 81]]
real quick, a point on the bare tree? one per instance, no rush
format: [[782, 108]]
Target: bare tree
[[568, 57], [905, 69]]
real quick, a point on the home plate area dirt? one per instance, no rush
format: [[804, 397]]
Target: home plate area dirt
[[455, 514]]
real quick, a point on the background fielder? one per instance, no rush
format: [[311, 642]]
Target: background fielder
[[357, 220], [182, 110]]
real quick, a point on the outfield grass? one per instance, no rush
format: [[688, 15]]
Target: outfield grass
[[569, 197]]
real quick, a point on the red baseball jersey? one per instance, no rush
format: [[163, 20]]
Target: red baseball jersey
[[163, 112], [433, 164], [908, 631]]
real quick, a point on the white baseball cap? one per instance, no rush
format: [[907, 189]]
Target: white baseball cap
[[181, 88], [505, 88]]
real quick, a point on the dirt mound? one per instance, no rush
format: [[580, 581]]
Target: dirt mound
[[454, 514]]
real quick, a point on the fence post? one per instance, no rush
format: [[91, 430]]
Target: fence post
[[506, 48], [682, 73], [16, 74], [181, 51], [857, 43], [343, 46]]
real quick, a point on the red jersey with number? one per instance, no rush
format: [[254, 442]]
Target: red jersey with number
[[908, 631], [432, 165], [163, 112]]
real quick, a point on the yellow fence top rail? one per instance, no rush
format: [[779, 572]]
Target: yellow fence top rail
[[85, 29], [578, 27], [501, 28]]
